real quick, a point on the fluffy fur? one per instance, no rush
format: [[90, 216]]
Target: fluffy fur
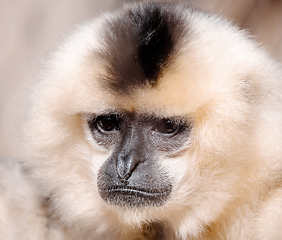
[[227, 177]]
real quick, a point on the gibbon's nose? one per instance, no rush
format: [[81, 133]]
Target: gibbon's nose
[[125, 165]]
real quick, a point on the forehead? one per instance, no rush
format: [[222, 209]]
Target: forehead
[[181, 90]]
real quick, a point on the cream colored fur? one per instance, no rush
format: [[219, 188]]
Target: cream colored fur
[[227, 180]]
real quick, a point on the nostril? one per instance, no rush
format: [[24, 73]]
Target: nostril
[[125, 165]]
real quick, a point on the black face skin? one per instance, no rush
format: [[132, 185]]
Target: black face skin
[[131, 177]]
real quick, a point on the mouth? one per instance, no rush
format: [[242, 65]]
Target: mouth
[[134, 197]]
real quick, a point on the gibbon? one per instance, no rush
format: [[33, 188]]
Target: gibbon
[[158, 121]]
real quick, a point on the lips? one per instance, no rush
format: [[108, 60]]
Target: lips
[[134, 197]]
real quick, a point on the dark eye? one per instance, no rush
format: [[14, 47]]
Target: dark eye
[[108, 123], [166, 126]]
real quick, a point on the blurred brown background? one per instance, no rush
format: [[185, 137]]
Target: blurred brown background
[[32, 28]]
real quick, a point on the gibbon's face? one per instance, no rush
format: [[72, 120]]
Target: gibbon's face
[[142, 117], [132, 176]]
